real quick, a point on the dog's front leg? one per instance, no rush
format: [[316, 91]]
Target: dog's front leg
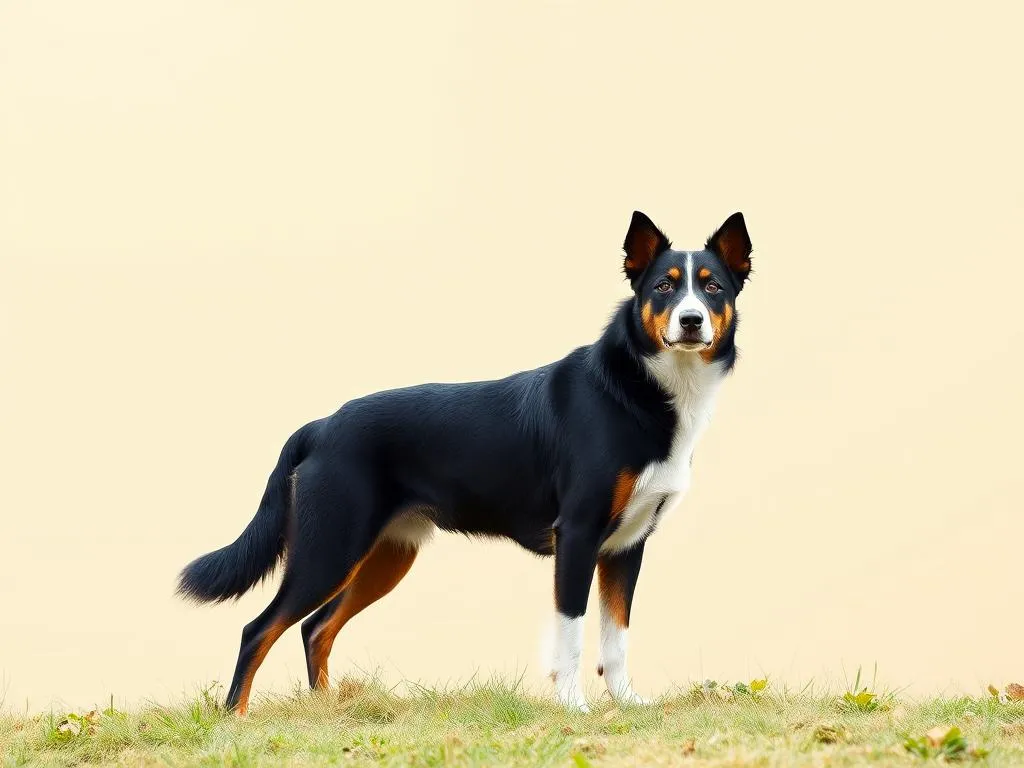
[[575, 560], [616, 577]]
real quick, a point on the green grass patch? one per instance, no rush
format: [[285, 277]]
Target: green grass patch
[[363, 722]]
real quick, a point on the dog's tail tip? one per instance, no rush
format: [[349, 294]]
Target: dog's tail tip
[[217, 577]]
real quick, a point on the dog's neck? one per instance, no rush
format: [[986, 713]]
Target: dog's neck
[[648, 383], [690, 383]]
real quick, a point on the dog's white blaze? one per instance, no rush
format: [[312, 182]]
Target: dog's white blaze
[[691, 302], [566, 663], [693, 386], [613, 659]]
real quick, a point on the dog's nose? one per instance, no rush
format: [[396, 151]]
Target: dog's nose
[[691, 319]]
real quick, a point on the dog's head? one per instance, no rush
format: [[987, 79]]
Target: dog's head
[[686, 300]]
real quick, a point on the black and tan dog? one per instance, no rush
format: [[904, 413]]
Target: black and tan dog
[[576, 459]]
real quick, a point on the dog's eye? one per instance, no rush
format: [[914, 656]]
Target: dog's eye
[[663, 287], [712, 287]]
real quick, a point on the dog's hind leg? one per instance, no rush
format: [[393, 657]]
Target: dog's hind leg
[[375, 576], [331, 533]]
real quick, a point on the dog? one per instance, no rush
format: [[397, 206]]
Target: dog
[[577, 459]]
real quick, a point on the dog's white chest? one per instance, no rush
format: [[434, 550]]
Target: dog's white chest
[[661, 484]]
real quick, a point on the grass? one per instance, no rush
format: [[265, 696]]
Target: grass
[[360, 722]]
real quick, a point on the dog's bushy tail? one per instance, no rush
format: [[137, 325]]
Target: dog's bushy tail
[[231, 571]]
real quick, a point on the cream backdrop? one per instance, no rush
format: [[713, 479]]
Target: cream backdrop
[[221, 220]]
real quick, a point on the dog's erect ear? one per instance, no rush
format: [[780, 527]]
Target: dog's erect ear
[[732, 243], [643, 242]]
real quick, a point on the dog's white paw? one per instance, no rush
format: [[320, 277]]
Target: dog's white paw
[[620, 689], [570, 694], [631, 698], [573, 700], [577, 705]]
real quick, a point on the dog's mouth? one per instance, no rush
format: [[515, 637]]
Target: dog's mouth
[[686, 344]]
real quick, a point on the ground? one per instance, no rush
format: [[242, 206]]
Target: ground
[[498, 723]]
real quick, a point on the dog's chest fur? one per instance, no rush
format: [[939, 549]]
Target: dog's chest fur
[[693, 386]]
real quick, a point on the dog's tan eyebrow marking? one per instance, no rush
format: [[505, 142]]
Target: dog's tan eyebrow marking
[[704, 273], [674, 273]]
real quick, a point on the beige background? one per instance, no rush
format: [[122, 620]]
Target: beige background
[[221, 220]]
